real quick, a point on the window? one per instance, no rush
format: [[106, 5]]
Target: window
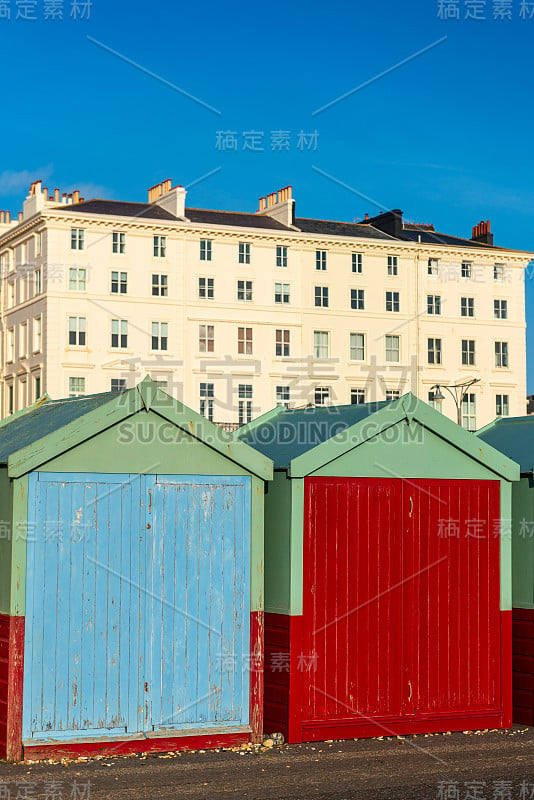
[[320, 259], [160, 246], [206, 288], [38, 281], [282, 396], [76, 387], [282, 342], [244, 290], [206, 338], [433, 266], [437, 404], [77, 331], [357, 397], [281, 256], [11, 398], [160, 335], [468, 352], [357, 263], [205, 249], [498, 275], [500, 309], [244, 341], [23, 341], [467, 306], [392, 394], [10, 295], [501, 354], [244, 253], [77, 237], [281, 292], [322, 395], [207, 394], [392, 348], [469, 412], [501, 405], [244, 402], [160, 286], [392, 301], [321, 296], [10, 355], [357, 299], [38, 244], [37, 387], [433, 304], [393, 265], [466, 269], [434, 351], [119, 333], [77, 279], [119, 282], [161, 383], [320, 344], [119, 242], [4, 264], [118, 384], [357, 347], [37, 334]]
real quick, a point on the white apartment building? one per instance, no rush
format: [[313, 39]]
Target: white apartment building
[[234, 312]]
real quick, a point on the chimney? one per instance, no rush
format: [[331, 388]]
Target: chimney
[[389, 222], [280, 206], [56, 195], [171, 199], [8, 217], [21, 216], [482, 233], [76, 197]]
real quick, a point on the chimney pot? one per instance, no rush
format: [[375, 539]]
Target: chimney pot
[[8, 217], [76, 197], [1, 217], [56, 195], [20, 216]]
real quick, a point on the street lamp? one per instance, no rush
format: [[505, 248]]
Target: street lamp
[[457, 391]]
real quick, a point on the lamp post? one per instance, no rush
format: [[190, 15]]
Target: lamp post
[[457, 391]]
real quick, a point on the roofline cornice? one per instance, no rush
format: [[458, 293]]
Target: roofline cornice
[[186, 227]]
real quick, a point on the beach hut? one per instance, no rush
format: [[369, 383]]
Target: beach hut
[[131, 579], [514, 436], [387, 573]]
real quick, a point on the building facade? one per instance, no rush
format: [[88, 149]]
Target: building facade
[[234, 312]]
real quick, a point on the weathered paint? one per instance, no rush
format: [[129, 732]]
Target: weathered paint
[[151, 623], [135, 744], [11, 681]]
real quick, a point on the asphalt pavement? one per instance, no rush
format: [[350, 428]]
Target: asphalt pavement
[[495, 765]]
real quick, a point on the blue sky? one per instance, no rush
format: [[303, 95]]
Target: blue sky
[[446, 136]]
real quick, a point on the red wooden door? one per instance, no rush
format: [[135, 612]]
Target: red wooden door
[[401, 600], [454, 663], [353, 611]]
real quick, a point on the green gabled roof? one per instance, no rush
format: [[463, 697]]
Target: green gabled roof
[[513, 436], [304, 440], [54, 427]]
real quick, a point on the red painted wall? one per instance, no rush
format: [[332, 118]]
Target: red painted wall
[[11, 686], [523, 665]]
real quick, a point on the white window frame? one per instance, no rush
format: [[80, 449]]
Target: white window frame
[[357, 346], [392, 344]]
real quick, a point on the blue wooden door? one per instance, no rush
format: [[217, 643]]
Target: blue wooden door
[[83, 601], [137, 604], [197, 603]]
